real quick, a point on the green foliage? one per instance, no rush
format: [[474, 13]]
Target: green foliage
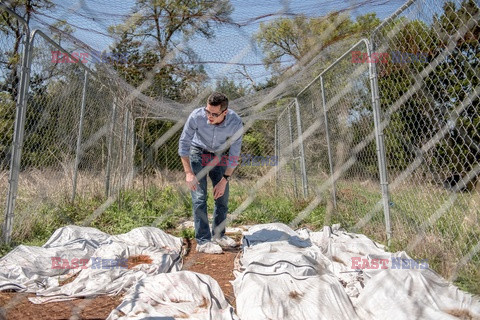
[[7, 119], [455, 82], [161, 208], [4, 249], [231, 89], [187, 233], [166, 156], [150, 45], [11, 28], [62, 27], [429, 109], [294, 38], [252, 141]]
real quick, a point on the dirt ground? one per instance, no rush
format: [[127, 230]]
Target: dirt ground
[[16, 306]]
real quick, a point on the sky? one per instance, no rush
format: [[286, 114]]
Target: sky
[[232, 49]]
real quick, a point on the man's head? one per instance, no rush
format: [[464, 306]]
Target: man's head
[[216, 110]]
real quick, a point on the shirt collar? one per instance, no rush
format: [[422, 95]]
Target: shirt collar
[[224, 122]]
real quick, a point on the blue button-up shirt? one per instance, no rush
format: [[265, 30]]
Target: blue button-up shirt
[[199, 133]]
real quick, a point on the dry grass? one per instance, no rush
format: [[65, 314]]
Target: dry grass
[[3, 189], [204, 303], [160, 178], [39, 189], [69, 279], [295, 295], [336, 259], [461, 314], [133, 261]]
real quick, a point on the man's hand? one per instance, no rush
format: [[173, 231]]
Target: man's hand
[[191, 181], [219, 188]]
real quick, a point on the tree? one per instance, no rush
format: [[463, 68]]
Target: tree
[[418, 117], [153, 40], [13, 32], [430, 108], [12, 28], [231, 89], [288, 40], [60, 28], [153, 37], [160, 23], [455, 79], [7, 117]]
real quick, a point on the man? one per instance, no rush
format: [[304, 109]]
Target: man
[[207, 135]]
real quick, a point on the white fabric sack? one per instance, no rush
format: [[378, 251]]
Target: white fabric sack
[[176, 295], [286, 278], [29, 268]]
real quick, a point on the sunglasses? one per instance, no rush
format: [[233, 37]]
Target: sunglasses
[[215, 115]]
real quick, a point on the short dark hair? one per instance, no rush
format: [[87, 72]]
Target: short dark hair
[[218, 99]]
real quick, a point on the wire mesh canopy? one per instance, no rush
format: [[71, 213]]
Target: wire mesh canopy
[[217, 41]]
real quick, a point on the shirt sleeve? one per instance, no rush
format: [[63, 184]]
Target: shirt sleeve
[[236, 146], [187, 135]]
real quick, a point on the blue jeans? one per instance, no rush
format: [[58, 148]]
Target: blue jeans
[[199, 200]]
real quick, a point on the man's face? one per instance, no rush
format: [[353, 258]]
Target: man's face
[[214, 115]]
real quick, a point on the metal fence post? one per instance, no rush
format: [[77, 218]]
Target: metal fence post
[[302, 151], [132, 151], [109, 150], [276, 152], [329, 146], [79, 136], [19, 130], [124, 147], [379, 136], [290, 129]]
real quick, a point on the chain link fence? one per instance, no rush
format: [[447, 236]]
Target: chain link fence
[[87, 133], [73, 134], [429, 93], [337, 144], [289, 176], [396, 124]]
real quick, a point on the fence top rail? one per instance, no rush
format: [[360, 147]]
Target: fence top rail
[[364, 40], [56, 45], [391, 17], [286, 108]]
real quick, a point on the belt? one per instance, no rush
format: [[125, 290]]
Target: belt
[[207, 151], [203, 150]]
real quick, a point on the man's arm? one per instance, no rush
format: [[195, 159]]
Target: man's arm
[[184, 150], [186, 164], [229, 171], [186, 137], [190, 177]]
